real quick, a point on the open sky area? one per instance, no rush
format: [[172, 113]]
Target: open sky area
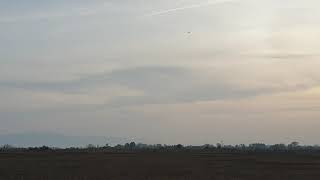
[[163, 71]]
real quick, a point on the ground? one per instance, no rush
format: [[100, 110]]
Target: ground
[[157, 166]]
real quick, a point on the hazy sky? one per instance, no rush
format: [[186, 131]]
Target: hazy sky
[[183, 71]]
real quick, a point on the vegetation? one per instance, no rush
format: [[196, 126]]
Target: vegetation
[[136, 147], [136, 161]]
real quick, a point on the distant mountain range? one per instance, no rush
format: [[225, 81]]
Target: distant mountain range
[[57, 140]]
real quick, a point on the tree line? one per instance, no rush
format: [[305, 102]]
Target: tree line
[[136, 147]]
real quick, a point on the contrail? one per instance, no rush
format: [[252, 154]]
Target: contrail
[[167, 11]]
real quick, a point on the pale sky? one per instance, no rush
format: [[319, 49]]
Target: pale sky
[[183, 71]]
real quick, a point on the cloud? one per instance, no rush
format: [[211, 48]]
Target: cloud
[[136, 86], [288, 55], [168, 11], [119, 88]]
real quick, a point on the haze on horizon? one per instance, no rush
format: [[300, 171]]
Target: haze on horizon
[[184, 71]]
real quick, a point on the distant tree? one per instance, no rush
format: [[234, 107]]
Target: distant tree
[[132, 145], [179, 146], [294, 144], [44, 148], [90, 146], [118, 146], [141, 146], [278, 147], [240, 147], [219, 145], [206, 146], [7, 147], [258, 146], [107, 146]]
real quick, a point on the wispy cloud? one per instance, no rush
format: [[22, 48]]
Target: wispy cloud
[[283, 55], [167, 11]]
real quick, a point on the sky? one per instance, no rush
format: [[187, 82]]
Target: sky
[[162, 71]]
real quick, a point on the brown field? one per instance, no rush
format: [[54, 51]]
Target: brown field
[[157, 166]]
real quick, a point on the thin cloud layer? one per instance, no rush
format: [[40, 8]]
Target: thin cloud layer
[[159, 70], [150, 85]]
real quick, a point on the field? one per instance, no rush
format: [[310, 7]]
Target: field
[[157, 166]]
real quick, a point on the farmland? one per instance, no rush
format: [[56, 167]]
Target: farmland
[[157, 166]]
